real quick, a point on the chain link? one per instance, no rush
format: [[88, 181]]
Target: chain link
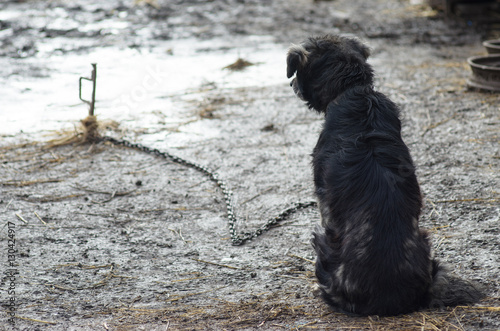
[[236, 239]]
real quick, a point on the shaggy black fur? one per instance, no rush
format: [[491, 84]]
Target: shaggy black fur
[[372, 258]]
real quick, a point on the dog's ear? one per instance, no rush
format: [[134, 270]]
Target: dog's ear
[[296, 59], [359, 47]]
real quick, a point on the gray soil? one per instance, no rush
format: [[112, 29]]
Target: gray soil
[[113, 238]]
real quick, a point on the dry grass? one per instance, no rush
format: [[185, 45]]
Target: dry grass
[[87, 132], [239, 65], [272, 312]]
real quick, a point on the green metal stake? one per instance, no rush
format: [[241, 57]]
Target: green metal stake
[[93, 77]]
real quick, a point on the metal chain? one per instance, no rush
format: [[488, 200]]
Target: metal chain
[[236, 239]]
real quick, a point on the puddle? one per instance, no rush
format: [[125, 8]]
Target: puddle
[[134, 86]]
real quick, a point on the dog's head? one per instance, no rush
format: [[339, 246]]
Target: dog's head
[[327, 66]]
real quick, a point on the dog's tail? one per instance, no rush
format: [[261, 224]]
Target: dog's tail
[[449, 291]]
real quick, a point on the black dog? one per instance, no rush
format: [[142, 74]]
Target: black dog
[[372, 258]]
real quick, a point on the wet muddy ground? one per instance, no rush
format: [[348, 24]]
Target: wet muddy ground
[[113, 238]]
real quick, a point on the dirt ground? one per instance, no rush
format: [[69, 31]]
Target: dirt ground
[[111, 238]]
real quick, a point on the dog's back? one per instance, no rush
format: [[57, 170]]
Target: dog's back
[[370, 203]]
